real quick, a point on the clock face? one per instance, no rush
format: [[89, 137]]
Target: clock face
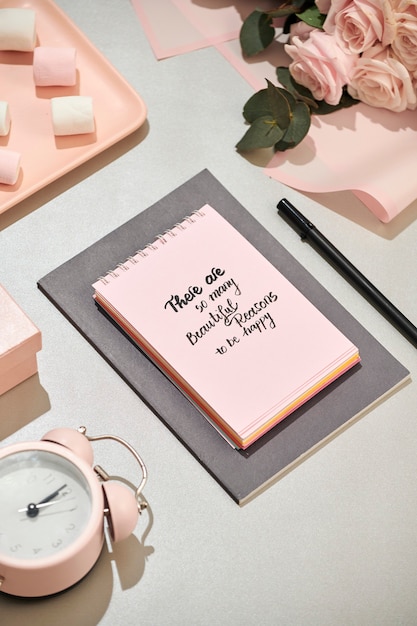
[[45, 504]]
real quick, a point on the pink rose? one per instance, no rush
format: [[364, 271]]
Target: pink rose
[[404, 45], [301, 30], [382, 81], [359, 24], [323, 6], [320, 65], [401, 6]]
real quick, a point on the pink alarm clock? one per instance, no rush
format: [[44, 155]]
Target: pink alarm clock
[[53, 506]]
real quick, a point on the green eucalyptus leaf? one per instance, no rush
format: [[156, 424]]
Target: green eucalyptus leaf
[[257, 106], [346, 100], [298, 91], [312, 17], [284, 77], [256, 33], [279, 105], [273, 101], [262, 133], [298, 128], [288, 96]]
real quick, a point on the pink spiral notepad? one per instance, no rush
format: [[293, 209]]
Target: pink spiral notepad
[[229, 330]]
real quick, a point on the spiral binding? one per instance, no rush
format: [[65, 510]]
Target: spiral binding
[[144, 252]]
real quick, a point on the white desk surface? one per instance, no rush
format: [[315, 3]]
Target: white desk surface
[[334, 541]]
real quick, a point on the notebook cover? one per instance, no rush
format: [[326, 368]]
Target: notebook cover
[[241, 473]]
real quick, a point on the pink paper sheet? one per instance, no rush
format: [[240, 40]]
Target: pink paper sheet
[[177, 26], [371, 152]]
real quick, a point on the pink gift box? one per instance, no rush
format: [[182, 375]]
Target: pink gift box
[[20, 340]]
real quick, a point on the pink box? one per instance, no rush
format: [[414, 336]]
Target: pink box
[[20, 340]]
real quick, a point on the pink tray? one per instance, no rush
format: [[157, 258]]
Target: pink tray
[[118, 109]]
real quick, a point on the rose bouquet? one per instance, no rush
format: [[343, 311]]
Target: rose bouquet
[[341, 52]]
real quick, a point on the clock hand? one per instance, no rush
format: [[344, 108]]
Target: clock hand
[[32, 509], [52, 495], [41, 505]]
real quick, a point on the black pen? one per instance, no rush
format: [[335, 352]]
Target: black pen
[[308, 231]]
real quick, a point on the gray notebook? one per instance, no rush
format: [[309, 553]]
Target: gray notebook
[[241, 473]]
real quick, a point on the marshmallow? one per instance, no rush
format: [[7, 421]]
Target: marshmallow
[[4, 118], [72, 115], [17, 29], [9, 166], [54, 66]]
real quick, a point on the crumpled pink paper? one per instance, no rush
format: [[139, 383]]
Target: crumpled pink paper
[[371, 152]]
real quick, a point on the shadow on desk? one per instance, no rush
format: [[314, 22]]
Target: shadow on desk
[[86, 602], [21, 405]]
